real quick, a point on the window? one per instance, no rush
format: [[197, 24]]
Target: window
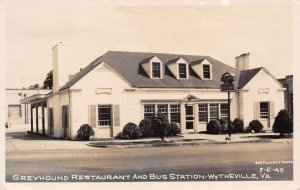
[[14, 111], [224, 111], [182, 70], [203, 112], [156, 70], [264, 110], [104, 115], [175, 113], [206, 71], [162, 109], [149, 111], [214, 111]]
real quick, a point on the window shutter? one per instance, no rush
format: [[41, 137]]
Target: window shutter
[[116, 116], [272, 110], [93, 115], [256, 110]]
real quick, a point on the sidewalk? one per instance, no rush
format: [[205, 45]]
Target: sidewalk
[[193, 139], [18, 139]]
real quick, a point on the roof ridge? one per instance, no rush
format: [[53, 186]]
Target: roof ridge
[[141, 52]]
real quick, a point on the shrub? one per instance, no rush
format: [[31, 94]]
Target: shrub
[[256, 126], [120, 136], [213, 127], [160, 124], [146, 128], [223, 126], [283, 123], [173, 129], [247, 130], [85, 132], [238, 125], [131, 130]]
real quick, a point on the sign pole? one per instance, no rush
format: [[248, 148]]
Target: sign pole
[[227, 86], [229, 125]]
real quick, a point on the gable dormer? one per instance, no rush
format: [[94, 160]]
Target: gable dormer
[[153, 67], [179, 67], [203, 68]]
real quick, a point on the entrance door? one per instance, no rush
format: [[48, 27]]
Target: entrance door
[[264, 114], [65, 121], [189, 117]]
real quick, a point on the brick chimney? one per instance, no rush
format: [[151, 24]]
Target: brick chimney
[[60, 65], [242, 62]]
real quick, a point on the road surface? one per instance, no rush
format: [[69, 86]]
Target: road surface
[[213, 162]]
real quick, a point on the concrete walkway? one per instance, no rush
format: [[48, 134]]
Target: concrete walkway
[[18, 139]]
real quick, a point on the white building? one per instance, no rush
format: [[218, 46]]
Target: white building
[[16, 113], [122, 87]]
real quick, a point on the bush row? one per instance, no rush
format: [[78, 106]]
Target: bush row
[[283, 124], [220, 126], [157, 126]]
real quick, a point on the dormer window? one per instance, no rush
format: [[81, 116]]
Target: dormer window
[[182, 69], [153, 67], [206, 72], [156, 70], [203, 68], [179, 68]]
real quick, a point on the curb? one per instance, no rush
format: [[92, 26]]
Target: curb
[[168, 144]]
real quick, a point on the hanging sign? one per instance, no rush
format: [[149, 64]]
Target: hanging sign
[[227, 85]]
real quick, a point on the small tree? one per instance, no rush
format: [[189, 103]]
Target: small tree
[[160, 124], [223, 126], [48, 82], [283, 123], [146, 128], [85, 132]]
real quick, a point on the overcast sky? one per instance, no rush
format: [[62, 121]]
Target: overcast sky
[[91, 28]]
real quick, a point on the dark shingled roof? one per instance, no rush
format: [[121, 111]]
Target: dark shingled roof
[[128, 65], [247, 75]]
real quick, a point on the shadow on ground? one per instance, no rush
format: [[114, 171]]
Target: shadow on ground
[[275, 136], [26, 136]]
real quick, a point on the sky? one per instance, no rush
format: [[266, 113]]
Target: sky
[[90, 28]]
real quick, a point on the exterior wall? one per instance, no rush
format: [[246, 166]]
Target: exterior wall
[[87, 95], [262, 88], [103, 86], [130, 101], [12, 97], [175, 96], [56, 102]]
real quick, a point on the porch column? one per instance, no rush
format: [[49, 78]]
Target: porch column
[[31, 117], [43, 118], [37, 118]]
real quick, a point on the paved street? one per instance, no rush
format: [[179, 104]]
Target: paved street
[[201, 160]]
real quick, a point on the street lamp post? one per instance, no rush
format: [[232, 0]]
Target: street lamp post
[[228, 86]]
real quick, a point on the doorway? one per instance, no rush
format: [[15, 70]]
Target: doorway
[[189, 117], [264, 114]]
